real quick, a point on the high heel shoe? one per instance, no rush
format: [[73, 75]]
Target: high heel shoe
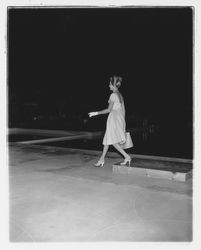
[[124, 163], [99, 164]]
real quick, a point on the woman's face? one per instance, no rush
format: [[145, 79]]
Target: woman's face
[[111, 86]]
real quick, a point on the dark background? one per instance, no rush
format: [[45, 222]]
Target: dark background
[[60, 61]]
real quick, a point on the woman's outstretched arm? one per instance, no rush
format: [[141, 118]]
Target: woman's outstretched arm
[[104, 111], [108, 110]]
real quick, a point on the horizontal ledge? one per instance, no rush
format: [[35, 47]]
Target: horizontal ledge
[[153, 173], [22, 131], [57, 139], [162, 158]]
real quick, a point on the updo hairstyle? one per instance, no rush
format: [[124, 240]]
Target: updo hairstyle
[[116, 81]]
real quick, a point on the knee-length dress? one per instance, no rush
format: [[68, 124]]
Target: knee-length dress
[[116, 125]]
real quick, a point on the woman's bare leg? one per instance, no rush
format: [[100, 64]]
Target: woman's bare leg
[[105, 149], [121, 150]]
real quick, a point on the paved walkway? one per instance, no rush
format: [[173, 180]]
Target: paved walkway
[[57, 195]]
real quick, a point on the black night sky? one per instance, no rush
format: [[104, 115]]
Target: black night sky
[[62, 58], [69, 54]]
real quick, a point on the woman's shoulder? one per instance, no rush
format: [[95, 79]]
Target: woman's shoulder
[[113, 94], [113, 97]]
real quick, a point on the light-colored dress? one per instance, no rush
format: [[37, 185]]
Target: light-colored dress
[[116, 125]]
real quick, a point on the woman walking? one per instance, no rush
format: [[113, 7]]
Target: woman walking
[[116, 126]]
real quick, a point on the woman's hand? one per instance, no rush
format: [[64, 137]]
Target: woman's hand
[[92, 114]]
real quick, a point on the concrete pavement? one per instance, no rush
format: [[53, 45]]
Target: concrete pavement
[[57, 195]]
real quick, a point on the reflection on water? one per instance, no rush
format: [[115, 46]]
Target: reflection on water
[[165, 141], [169, 138], [151, 141]]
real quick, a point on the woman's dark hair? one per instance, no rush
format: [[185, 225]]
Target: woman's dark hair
[[116, 81]]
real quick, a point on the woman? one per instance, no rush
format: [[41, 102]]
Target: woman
[[116, 125]]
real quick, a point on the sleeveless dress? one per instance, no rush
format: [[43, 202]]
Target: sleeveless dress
[[116, 125]]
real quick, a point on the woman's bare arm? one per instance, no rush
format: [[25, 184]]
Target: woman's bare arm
[[108, 110]]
